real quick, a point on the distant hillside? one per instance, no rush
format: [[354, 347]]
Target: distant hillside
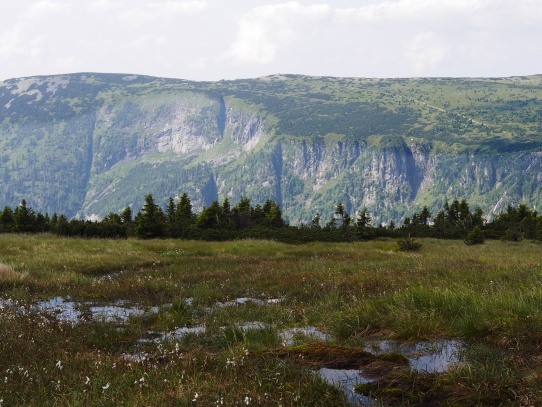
[[88, 144]]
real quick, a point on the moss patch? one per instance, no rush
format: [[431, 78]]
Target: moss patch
[[338, 357]]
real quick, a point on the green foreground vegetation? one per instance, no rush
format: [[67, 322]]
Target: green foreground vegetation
[[489, 296]]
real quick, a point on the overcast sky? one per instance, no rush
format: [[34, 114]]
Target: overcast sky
[[228, 39]]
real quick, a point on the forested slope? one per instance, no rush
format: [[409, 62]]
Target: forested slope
[[89, 144]]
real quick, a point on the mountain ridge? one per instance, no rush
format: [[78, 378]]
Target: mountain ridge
[[86, 144]]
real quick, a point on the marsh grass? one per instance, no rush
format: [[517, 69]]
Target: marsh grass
[[489, 295], [9, 277]]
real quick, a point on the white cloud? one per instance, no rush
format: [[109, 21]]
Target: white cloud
[[46, 7], [425, 52], [427, 12], [264, 30], [199, 63], [161, 40], [66, 64], [162, 11], [105, 5], [20, 42], [444, 13], [267, 30], [215, 39]]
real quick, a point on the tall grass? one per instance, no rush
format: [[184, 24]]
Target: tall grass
[[9, 277]]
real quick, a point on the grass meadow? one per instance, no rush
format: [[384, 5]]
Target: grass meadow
[[235, 300]]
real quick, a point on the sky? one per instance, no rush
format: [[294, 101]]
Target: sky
[[230, 39]]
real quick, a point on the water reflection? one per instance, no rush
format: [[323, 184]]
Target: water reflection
[[71, 311], [427, 357], [346, 380], [424, 357]]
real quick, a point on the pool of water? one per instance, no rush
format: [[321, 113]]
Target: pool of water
[[428, 357], [246, 300], [346, 380], [425, 357], [66, 310]]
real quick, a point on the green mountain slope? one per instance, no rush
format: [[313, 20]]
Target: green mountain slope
[[88, 144]]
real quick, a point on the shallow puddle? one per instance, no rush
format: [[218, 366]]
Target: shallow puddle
[[424, 357], [178, 333], [245, 326], [61, 309], [288, 336], [118, 313], [71, 311], [427, 357], [346, 380], [246, 300]]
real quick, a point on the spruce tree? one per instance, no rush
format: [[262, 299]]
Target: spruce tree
[[475, 236], [210, 217], [184, 217], [362, 226], [151, 222], [272, 214], [126, 215], [7, 219], [24, 218], [424, 216]]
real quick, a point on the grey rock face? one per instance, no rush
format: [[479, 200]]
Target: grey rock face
[[89, 144]]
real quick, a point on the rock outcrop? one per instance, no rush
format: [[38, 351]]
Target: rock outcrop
[[88, 144]]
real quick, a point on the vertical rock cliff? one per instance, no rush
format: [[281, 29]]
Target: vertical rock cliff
[[88, 144]]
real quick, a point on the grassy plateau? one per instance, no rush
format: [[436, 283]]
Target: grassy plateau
[[230, 323]]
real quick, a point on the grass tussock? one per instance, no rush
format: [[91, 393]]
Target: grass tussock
[[8, 276]]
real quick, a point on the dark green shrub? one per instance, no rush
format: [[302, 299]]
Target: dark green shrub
[[408, 244], [475, 236]]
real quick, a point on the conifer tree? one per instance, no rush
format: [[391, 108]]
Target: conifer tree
[[126, 215], [54, 220], [170, 211], [475, 236], [42, 223], [210, 217], [226, 214], [151, 222], [7, 220], [363, 225], [339, 211], [184, 217], [343, 217], [24, 218], [241, 214], [424, 216], [62, 226], [183, 210], [272, 214]]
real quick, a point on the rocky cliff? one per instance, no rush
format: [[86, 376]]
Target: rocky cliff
[[88, 144]]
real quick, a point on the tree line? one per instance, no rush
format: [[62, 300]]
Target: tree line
[[223, 221]]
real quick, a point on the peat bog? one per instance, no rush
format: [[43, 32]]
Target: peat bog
[[163, 322]]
